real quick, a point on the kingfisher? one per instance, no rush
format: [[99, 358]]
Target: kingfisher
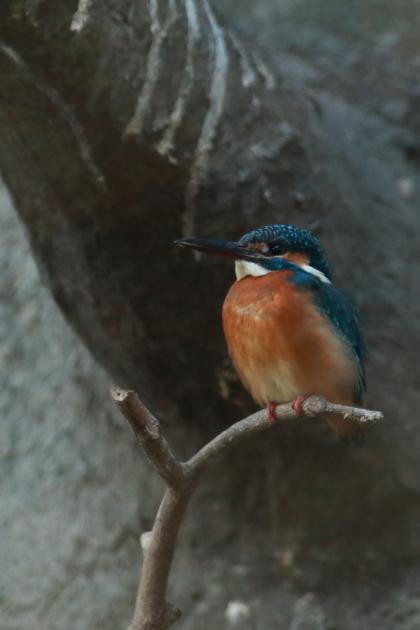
[[290, 332]]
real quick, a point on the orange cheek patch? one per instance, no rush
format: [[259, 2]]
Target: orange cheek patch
[[297, 258]]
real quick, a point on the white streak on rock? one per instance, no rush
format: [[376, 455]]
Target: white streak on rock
[[249, 76], [81, 16], [265, 72], [13, 55], [66, 111], [166, 144], [208, 131], [159, 32]]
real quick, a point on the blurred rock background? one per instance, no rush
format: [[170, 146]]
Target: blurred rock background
[[71, 475], [75, 490]]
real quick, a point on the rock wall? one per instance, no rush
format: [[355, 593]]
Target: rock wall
[[71, 474]]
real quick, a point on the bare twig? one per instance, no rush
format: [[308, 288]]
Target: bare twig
[[147, 430], [152, 612]]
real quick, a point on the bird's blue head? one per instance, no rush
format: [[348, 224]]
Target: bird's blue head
[[269, 249], [291, 243]]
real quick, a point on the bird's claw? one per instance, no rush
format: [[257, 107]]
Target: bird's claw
[[271, 412], [297, 404]]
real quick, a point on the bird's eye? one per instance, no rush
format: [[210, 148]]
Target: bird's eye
[[277, 249]]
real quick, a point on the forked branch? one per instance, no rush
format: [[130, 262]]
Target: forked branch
[[152, 611]]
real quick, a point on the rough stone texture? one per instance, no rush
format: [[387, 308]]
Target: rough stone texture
[[291, 530], [71, 473]]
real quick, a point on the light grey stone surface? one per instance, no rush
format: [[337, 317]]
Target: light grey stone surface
[[71, 474]]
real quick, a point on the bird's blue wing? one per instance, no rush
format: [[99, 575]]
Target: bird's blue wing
[[345, 317], [340, 310]]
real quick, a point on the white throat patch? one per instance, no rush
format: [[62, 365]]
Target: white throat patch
[[244, 268]]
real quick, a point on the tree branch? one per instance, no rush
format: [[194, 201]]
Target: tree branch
[[152, 612], [313, 407], [147, 430]]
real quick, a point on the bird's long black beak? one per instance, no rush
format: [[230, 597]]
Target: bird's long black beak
[[224, 249]]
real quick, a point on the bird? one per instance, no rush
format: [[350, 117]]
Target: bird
[[290, 332]]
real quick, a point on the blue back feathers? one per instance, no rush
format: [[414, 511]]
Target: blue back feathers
[[340, 310], [345, 317]]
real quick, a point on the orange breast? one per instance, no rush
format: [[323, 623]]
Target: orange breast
[[282, 347]]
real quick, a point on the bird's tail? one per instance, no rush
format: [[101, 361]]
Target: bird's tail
[[349, 431]]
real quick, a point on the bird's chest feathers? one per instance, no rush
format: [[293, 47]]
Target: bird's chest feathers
[[259, 317], [278, 340], [256, 303]]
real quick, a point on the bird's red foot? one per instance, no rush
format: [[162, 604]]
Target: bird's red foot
[[297, 404], [270, 410]]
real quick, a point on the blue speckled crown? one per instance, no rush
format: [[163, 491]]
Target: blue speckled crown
[[292, 239]]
